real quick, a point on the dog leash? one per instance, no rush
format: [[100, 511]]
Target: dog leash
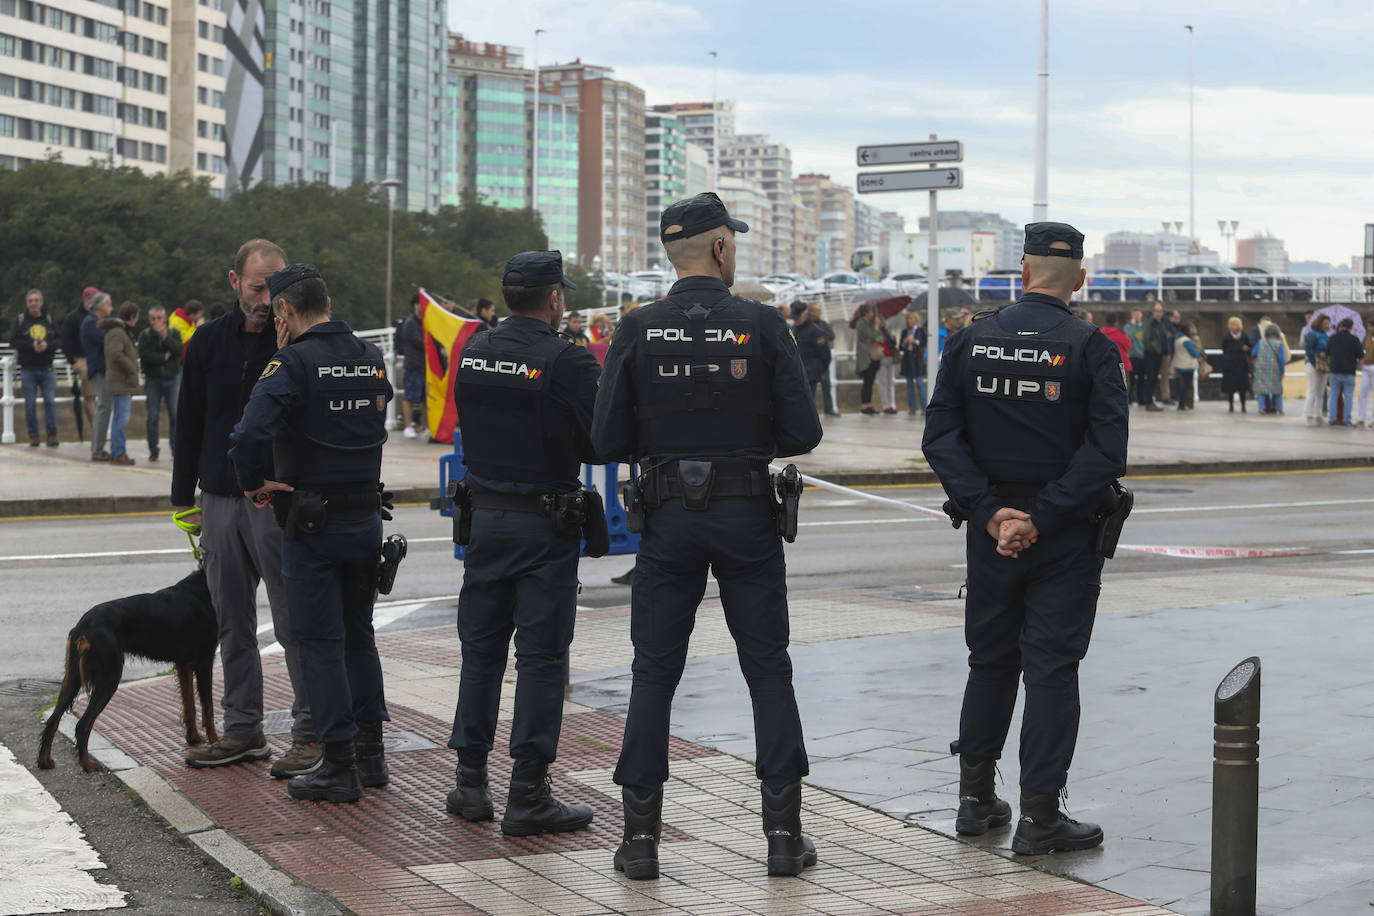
[[192, 528]]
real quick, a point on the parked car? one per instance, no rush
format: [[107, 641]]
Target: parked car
[[838, 280], [999, 285], [1285, 288], [906, 282], [784, 285], [1203, 281], [1116, 284]]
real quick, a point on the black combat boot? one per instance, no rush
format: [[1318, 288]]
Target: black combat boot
[[335, 780], [637, 856], [788, 850], [1044, 828], [979, 806], [471, 800], [531, 808], [371, 756]]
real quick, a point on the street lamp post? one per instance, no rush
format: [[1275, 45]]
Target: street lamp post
[[715, 119], [390, 184], [534, 159], [1040, 206], [1192, 230]]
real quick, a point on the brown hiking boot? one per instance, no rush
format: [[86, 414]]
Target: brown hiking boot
[[301, 758], [123, 461], [52, 439], [229, 750]]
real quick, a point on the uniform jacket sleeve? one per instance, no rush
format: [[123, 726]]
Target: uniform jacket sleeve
[[1102, 456], [575, 387], [796, 425], [945, 444], [614, 434], [263, 420]]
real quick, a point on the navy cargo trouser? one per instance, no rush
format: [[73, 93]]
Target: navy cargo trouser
[[1030, 615], [329, 579], [519, 577], [736, 539]]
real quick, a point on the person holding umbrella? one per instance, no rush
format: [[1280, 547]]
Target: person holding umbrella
[[868, 355]]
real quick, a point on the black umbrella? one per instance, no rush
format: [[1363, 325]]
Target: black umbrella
[[950, 297], [78, 408]]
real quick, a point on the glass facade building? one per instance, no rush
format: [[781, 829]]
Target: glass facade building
[[557, 181], [665, 176], [353, 92]]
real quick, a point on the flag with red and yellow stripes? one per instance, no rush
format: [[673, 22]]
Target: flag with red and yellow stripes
[[445, 336]]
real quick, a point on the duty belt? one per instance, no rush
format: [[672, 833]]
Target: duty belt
[[533, 503], [732, 477], [349, 500]]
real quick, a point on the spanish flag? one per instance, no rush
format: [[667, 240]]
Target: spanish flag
[[445, 336]]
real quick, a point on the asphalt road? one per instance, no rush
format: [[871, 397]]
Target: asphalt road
[[53, 570]]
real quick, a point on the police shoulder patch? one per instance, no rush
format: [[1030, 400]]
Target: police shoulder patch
[[270, 368]]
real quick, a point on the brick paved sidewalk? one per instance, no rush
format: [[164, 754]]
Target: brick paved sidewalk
[[399, 851]]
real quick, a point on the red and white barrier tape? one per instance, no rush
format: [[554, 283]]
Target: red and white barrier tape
[[1194, 553]]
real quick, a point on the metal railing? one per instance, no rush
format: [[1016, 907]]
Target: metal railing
[[1352, 288]]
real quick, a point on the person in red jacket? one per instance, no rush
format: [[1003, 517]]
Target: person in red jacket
[[1123, 343]]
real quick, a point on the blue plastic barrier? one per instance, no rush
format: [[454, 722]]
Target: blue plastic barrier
[[451, 467]]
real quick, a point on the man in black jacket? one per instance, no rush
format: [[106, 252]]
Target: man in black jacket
[[76, 351], [814, 340], [410, 341], [1345, 352], [36, 342], [243, 546]]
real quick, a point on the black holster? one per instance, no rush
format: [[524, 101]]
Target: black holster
[[956, 518], [460, 498], [595, 533], [1111, 518], [393, 552], [306, 515], [632, 496], [788, 487]]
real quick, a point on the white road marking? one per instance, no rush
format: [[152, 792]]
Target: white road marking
[[45, 861]]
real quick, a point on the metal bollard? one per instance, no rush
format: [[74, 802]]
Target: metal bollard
[[7, 398], [1235, 790]]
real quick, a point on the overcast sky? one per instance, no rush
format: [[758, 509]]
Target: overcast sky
[[1283, 98]]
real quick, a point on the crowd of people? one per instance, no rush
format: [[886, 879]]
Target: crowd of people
[[112, 359]]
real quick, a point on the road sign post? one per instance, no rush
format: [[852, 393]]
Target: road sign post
[[943, 178], [935, 179], [909, 153]]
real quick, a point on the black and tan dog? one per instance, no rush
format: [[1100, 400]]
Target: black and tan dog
[[176, 624]]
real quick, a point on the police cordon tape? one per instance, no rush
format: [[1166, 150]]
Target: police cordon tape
[[1196, 553]]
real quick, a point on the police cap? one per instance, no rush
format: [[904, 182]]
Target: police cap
[[534, 269], [1039, 237], [696, 215], [289, 276]]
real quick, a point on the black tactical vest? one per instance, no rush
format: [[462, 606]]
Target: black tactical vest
[[1026, 398], [339, 437], [512, 430], [704, 379]]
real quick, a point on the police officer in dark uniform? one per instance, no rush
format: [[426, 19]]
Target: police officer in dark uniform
[[1027, 432], [525, 395], [316, 423], [704, 389]]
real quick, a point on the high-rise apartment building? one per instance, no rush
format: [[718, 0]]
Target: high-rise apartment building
[[665, 176], [703, 121], [611, 194], [833, 205], [97, 81], [805, 226], [1264, 251], [352, 92], [486, 143], [556, 185], [1150, 252], [746, 199], [769, 164]]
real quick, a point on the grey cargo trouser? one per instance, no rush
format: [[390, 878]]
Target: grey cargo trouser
[[243, 547]]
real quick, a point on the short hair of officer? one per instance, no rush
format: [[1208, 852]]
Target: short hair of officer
[[307, 298], [708, 253], [525, 300], [1056, 275]]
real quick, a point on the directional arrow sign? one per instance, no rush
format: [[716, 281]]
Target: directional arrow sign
[[909, 153], [913, 180]]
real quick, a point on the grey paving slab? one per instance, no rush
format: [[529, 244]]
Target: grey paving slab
[[1143, 767]]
